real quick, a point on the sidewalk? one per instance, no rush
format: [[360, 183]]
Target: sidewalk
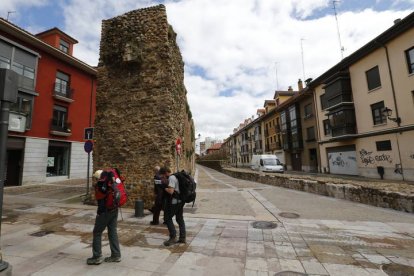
[[232, 230]]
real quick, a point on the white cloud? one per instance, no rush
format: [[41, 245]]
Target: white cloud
[[15, 5], [235, 44]]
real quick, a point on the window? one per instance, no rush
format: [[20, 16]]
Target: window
[[409, 54], [308, 111], [59, 121], [64, 46], [378, 116], [373, 78], [310, 133], [23, 106], [4, 62], [23, 70], [383, 145], [58, 159], [62, 84], [326, 127]]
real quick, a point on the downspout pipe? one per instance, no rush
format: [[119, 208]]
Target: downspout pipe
[[397, 115]]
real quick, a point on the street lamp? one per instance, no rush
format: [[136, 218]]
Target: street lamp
[[8, 95], [388, 113]]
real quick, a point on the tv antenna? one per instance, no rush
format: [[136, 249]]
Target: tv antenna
[[303, 62], [337, 28], [277, 80], [8, 14]]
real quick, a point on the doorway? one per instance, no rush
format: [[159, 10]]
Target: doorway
[[313, 160], [14, 167], [296, 162]]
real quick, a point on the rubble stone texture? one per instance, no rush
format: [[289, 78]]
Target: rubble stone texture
[[141, 102]]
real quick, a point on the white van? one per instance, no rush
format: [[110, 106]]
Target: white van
[[266, 163]]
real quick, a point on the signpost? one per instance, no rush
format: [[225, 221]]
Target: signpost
[[88, 133], [88, 148], [178, 151]]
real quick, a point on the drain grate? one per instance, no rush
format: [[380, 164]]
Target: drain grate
[[264, 225], [290, 273], [41, 233], [288, 215], [204, 200], [398, 270]]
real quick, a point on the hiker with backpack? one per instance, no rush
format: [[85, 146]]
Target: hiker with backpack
[[110, 195], [159, 186], [173, 207]]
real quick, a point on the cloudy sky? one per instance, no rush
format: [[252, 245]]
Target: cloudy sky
[[236, 52]]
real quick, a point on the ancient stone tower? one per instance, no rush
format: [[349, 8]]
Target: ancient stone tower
[[141, 102]]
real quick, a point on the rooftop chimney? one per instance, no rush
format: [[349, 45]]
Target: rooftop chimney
[[290, 89], [300, 85], [397, 20]]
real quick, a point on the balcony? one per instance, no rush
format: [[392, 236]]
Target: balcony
[[338, 90], [60, 128], [343, 121], [62, 93]]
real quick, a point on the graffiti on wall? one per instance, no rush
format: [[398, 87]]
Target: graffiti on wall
[[343, 162], [368, 158]]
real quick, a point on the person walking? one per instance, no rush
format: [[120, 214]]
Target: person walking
[[173, 207], [105, 218], [159, 186]]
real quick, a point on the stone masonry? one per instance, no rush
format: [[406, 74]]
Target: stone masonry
[[141, 102]]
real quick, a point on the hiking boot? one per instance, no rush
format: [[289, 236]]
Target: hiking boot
[[181, 240], [112, 259], [154, 223], [170, 241], [95, 260]]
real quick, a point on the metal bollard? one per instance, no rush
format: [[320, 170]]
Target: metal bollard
[[139, 208]]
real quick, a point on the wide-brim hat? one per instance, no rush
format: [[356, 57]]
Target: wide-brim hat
[[97, 174]]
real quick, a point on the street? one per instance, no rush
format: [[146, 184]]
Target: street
[[236, 227]]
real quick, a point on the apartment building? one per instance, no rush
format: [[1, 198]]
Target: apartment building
[[364, 108], [56, 102]]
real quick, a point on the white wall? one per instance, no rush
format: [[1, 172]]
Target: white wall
[[35, 160], [79, 161]]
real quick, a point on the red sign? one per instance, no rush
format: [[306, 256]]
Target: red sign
[[178, 146]]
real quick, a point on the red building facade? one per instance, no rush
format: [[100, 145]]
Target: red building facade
[[56, 102]]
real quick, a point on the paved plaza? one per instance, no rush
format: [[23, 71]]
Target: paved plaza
[[236, 227]]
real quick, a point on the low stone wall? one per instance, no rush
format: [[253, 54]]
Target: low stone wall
[[353, 192]]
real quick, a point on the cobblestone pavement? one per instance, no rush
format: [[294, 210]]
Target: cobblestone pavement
[[235, 228]]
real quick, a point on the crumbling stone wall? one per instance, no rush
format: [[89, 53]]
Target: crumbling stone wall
[[141, 103]]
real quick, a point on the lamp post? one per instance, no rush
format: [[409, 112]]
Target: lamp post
[[8, 95], [388, 113]]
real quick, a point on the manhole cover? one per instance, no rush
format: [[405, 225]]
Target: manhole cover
[[290, 273], [264, 225], [258, 189], [398, 270], [288, 215], [41, 233]]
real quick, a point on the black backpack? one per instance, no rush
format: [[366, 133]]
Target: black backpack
[[187, 187]]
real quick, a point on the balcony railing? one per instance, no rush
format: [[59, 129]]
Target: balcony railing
[[62, 92], [60, 128]]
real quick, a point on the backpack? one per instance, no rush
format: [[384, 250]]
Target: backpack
[[111, 187], [187, 187]]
